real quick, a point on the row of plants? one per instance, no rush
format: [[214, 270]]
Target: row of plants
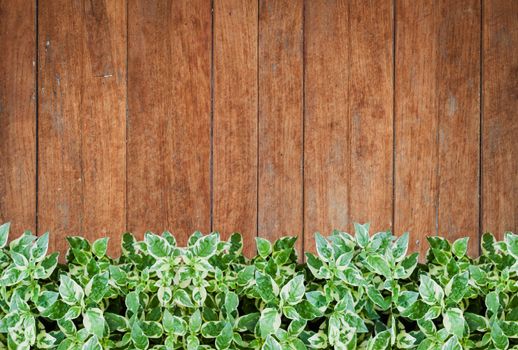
[[358, 292]]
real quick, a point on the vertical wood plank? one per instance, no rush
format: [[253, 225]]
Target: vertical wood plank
[[500, 117], [370, 113], [327, 129], [82, 119], [416, 122], [17, 115], [235, 119], [280, 119], [437, 120], [458, 140], [348, 145], [169, 117]]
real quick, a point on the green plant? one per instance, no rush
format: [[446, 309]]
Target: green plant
[[359, 292]]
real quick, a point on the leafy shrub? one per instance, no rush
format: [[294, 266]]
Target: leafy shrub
[[359, 292]]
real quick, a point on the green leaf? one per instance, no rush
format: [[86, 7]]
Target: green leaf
[[206, 246], [511, 240], [70, 291], [380, 342], [40, 247], [294, 290], [92, 344], [116, 322], [248, 322], [430, 291], [47, 265], [324, 248], [400, 247], [406, 266], [500, 340], [231, 301], [269, 322], [181, 298], [318, 341], [246, 275], [212, 329], [264, 247], [138, 337], [405, 341], [362, 234], [492, 302], [157, 246], [509, 328], [151, 329], [100, 246], [271, 344], [224, 338], [97, 287], [355, 321], [374, 294], [416, 310], [132, 301], [195, 322], [460, 247], [476, 322], [454, 323], [4, 234], [56, 310], [266, 286], [94, 322], [452, 344], [378, 264], [457, 287]]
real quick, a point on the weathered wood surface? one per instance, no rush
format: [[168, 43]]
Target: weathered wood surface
[[17, 115], [326, 146], [500, 117], [169, 121], [269, 117], [348, 125], [280, 206], [235, 134], [82, 119], [437, 120]]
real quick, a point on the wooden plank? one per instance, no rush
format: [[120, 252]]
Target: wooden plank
[[82, 120], [459, 121], [437, 120], [169, 117], [235, 119], [326, 144], [415, 122], [348, 145], [17, 115], [500, 117], [280, 119], [370, 113]]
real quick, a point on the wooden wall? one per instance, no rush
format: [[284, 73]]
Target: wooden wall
[[268, 117]]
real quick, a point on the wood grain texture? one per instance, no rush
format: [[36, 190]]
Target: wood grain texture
[[370, 113], [500, 117], [415, 122], [326, 144], [17, 115], [437, 120], [169, 117], [280, 119], [458, 73], [348, 144], [235, 119], [82, 119]]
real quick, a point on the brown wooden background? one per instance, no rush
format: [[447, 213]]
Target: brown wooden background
[[270, 117]]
